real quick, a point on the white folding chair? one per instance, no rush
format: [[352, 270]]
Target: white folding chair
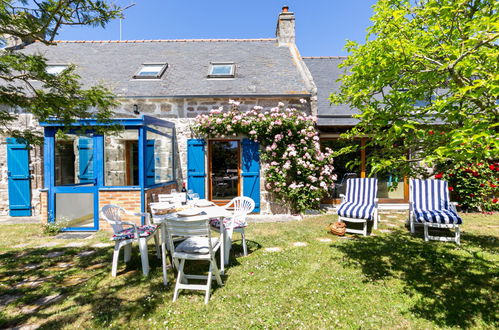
[[124, 237], [430, 206], [241, 206], [360, 204], [197, 245]]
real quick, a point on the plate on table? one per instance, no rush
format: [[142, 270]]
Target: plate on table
[[204, 203], [189, 212]]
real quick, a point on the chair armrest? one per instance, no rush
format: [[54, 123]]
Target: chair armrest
[[140, 214], [343, 198], [452, 206], [376, 201]]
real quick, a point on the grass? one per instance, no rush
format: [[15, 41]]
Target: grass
[[388, 280]]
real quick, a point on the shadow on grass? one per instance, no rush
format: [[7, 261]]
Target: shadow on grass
[[84, 278], [451, 285]]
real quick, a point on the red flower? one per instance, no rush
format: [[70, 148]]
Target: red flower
[[451, 188], [431, 132], [495, 200], [475, 173], [482, 185], [480, 164], [493, 185], [491, 167], [472, 195], [439, 175]]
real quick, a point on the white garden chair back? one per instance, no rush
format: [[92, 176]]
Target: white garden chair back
[[112, 214], [430, 206], [165, 198], [360, 204], [240, 206], [197, 245]]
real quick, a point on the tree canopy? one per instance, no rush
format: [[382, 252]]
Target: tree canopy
[[25, 84], [426, 83]]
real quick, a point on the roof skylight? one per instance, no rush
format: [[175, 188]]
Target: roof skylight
[[56, 69], [222, 70], [151, 71]]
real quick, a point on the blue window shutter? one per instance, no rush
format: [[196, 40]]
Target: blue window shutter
[[150, 166], [86, 159], [251, 171], [196, 173], [19, 178]]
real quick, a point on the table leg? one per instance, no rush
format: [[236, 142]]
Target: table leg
[[222, 247]]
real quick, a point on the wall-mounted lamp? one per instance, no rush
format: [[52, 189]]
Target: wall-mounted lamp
[[136, 109]]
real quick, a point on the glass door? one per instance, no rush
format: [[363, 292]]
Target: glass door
[[224, 170], [74, 194]]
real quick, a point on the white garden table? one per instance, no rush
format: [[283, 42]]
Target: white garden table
[[212, 212]]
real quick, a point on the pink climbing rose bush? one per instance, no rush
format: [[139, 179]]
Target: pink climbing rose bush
[[297, 172]]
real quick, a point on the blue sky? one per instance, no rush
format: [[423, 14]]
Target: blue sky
[[322, 26]]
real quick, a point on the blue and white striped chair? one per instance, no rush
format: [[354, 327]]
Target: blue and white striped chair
[[360, 204], [430, 206]]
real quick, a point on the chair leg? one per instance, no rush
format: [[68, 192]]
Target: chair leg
[[243, 237], [426, 235], [458, 235], [156, 243], [143, 255], [376, 218], [128, 252], [179, 279], [116, 256], [216, 272], [208, 284], [365, 228], [411, 223]]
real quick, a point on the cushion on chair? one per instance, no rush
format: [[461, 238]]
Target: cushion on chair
[[144, 231], [238, 223], [196, 245], [438, 216], [356, 211]]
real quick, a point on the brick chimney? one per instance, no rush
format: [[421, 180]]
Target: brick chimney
[[285, 31]]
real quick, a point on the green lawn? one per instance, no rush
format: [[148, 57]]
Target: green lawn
[[388, 280]]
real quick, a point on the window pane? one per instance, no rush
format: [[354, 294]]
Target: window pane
[[345, 166], [390, 185], [55, 69], [74, 163], [219, 69], [159, 158], [75, 210], [121, 156], [150, 70], [224, 169]]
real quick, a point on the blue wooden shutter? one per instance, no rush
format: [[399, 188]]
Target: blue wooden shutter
[[196, 173], [19, 178], [150, 166], [251, 171], [86, 159]]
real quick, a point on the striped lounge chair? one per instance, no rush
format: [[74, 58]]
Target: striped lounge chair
[[360, 204], [430, 206]]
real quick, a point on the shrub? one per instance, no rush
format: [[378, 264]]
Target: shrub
[[473, 186], [296, 171]]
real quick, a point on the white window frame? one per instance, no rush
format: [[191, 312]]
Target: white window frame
[[163, 65], [61, 68], [232, 73]]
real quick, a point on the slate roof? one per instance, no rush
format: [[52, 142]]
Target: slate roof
[[262, 68], [325, 72]]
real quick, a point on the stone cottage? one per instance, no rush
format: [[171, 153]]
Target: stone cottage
[[161, 86]]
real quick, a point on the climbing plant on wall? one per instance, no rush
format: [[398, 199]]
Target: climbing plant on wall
[[297, 172]]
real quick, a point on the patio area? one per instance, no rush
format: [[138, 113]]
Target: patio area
[[296, 275]]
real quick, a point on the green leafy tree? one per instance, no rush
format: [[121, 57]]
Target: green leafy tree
[[25, 84], [426, 84]]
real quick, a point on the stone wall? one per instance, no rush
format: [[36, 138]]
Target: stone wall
[[180, 111]]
